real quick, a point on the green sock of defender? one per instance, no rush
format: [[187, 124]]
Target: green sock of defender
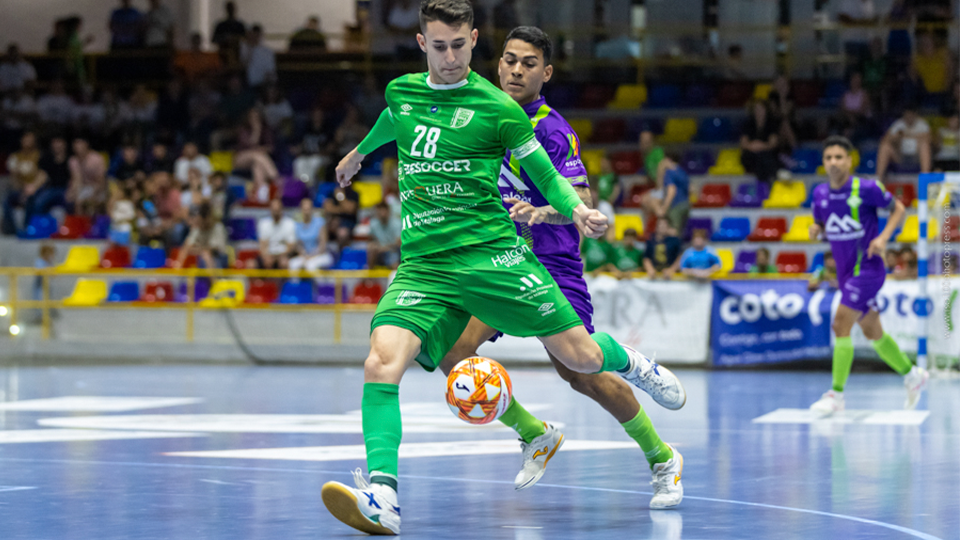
[[890, 353], [842, 362], [641, 430], [614, 357], [382, 430], [525, 424]]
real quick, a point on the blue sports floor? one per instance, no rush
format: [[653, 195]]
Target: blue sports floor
[[233, 452]]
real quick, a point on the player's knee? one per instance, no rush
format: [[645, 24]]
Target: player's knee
[[380, 367], [582, 383], [840, 328]]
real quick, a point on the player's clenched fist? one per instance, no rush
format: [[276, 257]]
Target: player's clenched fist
[[348, 167], [592, 223]]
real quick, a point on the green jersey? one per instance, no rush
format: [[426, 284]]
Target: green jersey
[[451, 141]]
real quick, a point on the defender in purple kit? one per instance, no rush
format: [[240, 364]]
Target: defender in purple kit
[[845, 212], [524, 67]]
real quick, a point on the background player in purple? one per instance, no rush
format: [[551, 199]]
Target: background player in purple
[[845, 211], [524, 67]]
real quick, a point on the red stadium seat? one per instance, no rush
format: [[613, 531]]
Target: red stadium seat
[[262, 292], [596, 96], [806, 93], [791, 262], [115, 257], [609, 130], [625, 162], [367, 291], [244, 257], [713, 196], [635, 195], [769, 229], [73, 227], [734, 94], [158, 291], [906, 193], [189, 262], [950, 231]]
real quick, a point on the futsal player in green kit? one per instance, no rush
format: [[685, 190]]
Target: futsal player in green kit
[[461, 253]]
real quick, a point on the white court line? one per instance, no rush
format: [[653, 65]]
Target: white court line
[[95, 403], [17, 436], [885, 418], [905, 530], [4, 489]]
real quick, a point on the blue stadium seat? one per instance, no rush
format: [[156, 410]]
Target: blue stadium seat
[[239, 192], [700, 95], [750, 195], [868, 163], [745, 260], [807, 160], [148, 257], [324, 190], [41, 226], [697, 161], [100, 228], [326, 292], [352, 259], [242, 229], [124, 291], [664, 96], [715, 129], [809, 202], [817, 262], [732, 229], [297, 292], [833, 93]]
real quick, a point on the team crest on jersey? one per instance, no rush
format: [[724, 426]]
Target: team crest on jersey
[[574, 146], [461, 117]]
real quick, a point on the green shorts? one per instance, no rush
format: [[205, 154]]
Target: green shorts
[[501, 283], [677, 216]]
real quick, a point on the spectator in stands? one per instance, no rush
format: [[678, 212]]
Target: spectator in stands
[[825, 276], [856, 109], [369, 99], [277, 112], [123, 213], [172, 216], [19, 111], [227, 35], [609, 186], [661, 258], [341, 208], [74, 61], [194, 193], [309, 39], [52, 185], [948, 145], [221, 199], [254, 144], [24, 170], [891, 258], [173, 111], [403, 17], [783, 110], [277, 234], [932, 18], [126, 27], [139, 112], [204, 106], [349, 134], [700, 261], [114, 117], [311, 148], [55, 108], [15, 72], [933, 67], [390, 185], [906, 143], [906, 268], [195, 63], [58, 42], [762, 265], [899, 44], [150, 229], [90, 116], [875, 68], [158, 24], [626, 256], [759, 141], [596, 254], [129, 165], [857, 16], [207, 240], [672, 202], [192, 160], [160, 159], [384, 246], [733, 68], [652, 155], [311, 251], [88, 180], [258, 59], [46, 258], [232, 110]]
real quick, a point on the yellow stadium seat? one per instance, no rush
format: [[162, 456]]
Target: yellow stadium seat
[[87, 292], [762, 91], [629, 96], [911, 230], [224, 293], [728, 163], [726, 262], [799, 230], [936, 122], [81, 259], [628, 221], [222, 161], [855, 156], [583, 128], [592, 160], [786, 194], [371, 193], [679, 130]]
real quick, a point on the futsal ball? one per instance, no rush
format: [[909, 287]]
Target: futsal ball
[[478, 390]]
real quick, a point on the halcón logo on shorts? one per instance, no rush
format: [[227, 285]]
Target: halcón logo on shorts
[[409, 298]]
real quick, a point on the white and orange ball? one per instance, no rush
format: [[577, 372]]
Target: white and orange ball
[[478, 390]]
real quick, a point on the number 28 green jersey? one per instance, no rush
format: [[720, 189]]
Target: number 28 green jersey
[[451, 141]]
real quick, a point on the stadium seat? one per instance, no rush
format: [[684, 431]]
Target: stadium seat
[[294, 190], [244, 257], [728, 163], [664, 96], [592, 160], [200, 291], [115, 257], [950, 233], [148, 257], [326, 293], [715, 129], [832, 94], [157, 291], [124, 291], [732, 229], [596, 96], [622, 222], [697, 161], [100, 228], [911, 230], [695, 223], [367, 291], [806, 93], [868, 163], [40, 227], [906, 193], [87, 292], [297, 292], [371, 193], [73, 228], [762, 91], [786, 194], [799, 230], [713, 196], [855, 158], [81, 259], [634, 197], [882, 224], [253, 203], [700, 95], [679, 130], [324, 190], [769, 229], [734, 94], [352, 259], [745, 260], [791, 262], [629, 96], [262, 291], [583, 127], [222, 161], [562, 96], [609, 131], [625, 163], [224, 293], [750, 195], [726, 262], [239, 191], [189, 262], [807, 160], [242, 229], [816, 263]]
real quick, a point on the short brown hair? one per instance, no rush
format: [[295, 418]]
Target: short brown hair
[[449, 12], [701, 233]]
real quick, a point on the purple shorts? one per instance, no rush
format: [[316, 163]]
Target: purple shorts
[[574, 288], [860, 292]]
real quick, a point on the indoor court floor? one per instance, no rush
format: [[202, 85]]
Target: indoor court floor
[[138, 452]]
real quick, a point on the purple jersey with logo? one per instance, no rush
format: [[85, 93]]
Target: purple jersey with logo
[[848, 217]]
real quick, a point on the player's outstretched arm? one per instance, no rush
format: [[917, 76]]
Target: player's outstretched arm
[[524, 212], [382, 133], [560, 194], [879, 244]]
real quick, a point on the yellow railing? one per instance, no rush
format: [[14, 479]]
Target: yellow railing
[[14, 304]]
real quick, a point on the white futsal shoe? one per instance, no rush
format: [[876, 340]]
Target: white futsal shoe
[[667, 488], [536, 455], [657, 381], [371, 508], [830, 404], [915, 382]]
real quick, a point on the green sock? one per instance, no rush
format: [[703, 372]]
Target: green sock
[[641, 430], [890, 353], [614, 357], [525, 424], [842, 362], [382, 430]]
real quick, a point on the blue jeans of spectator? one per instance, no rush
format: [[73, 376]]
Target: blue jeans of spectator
[[44, 200], [13, 200]]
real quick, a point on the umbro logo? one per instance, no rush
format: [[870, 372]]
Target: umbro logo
[[546, 307], [406, 108]]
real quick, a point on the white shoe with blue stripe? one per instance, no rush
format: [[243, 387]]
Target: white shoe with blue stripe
[[370, 508]]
